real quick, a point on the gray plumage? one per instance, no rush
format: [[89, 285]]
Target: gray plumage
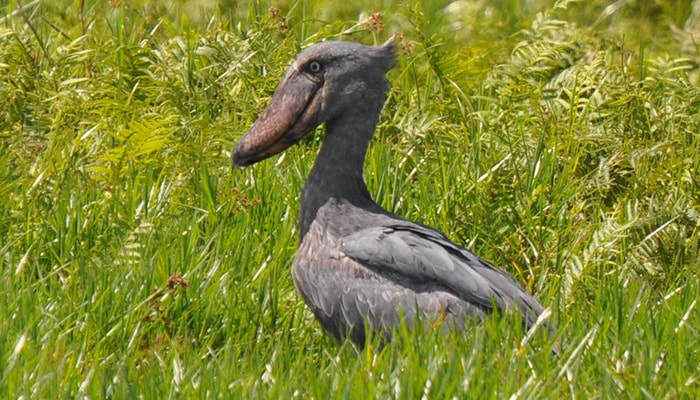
[[359, 265]]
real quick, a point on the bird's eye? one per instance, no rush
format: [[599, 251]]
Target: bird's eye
[[314, 66]]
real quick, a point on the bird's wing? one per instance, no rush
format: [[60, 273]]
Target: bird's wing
[[345, 294], [419, 254]]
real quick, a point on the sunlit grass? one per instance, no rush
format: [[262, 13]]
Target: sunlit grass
[[558, 142]]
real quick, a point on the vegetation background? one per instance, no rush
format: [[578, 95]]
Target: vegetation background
[[557, 139]]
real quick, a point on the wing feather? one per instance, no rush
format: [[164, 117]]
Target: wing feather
[[414, 253]]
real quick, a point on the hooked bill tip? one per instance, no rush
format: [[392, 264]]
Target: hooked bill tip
[[238, 158]]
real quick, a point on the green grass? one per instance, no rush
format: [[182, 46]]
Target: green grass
[[560, 141]]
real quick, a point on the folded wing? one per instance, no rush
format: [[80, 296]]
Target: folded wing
[[414, 253]]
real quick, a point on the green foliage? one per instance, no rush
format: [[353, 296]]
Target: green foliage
[[558, 140]]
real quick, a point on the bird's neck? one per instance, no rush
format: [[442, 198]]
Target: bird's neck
[[338, 170]]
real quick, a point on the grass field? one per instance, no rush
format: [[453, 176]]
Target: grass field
[[561, 141]]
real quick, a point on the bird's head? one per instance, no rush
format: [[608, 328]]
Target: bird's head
[[323, 82]]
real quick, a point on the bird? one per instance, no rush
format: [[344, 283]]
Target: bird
[[361, 269]]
